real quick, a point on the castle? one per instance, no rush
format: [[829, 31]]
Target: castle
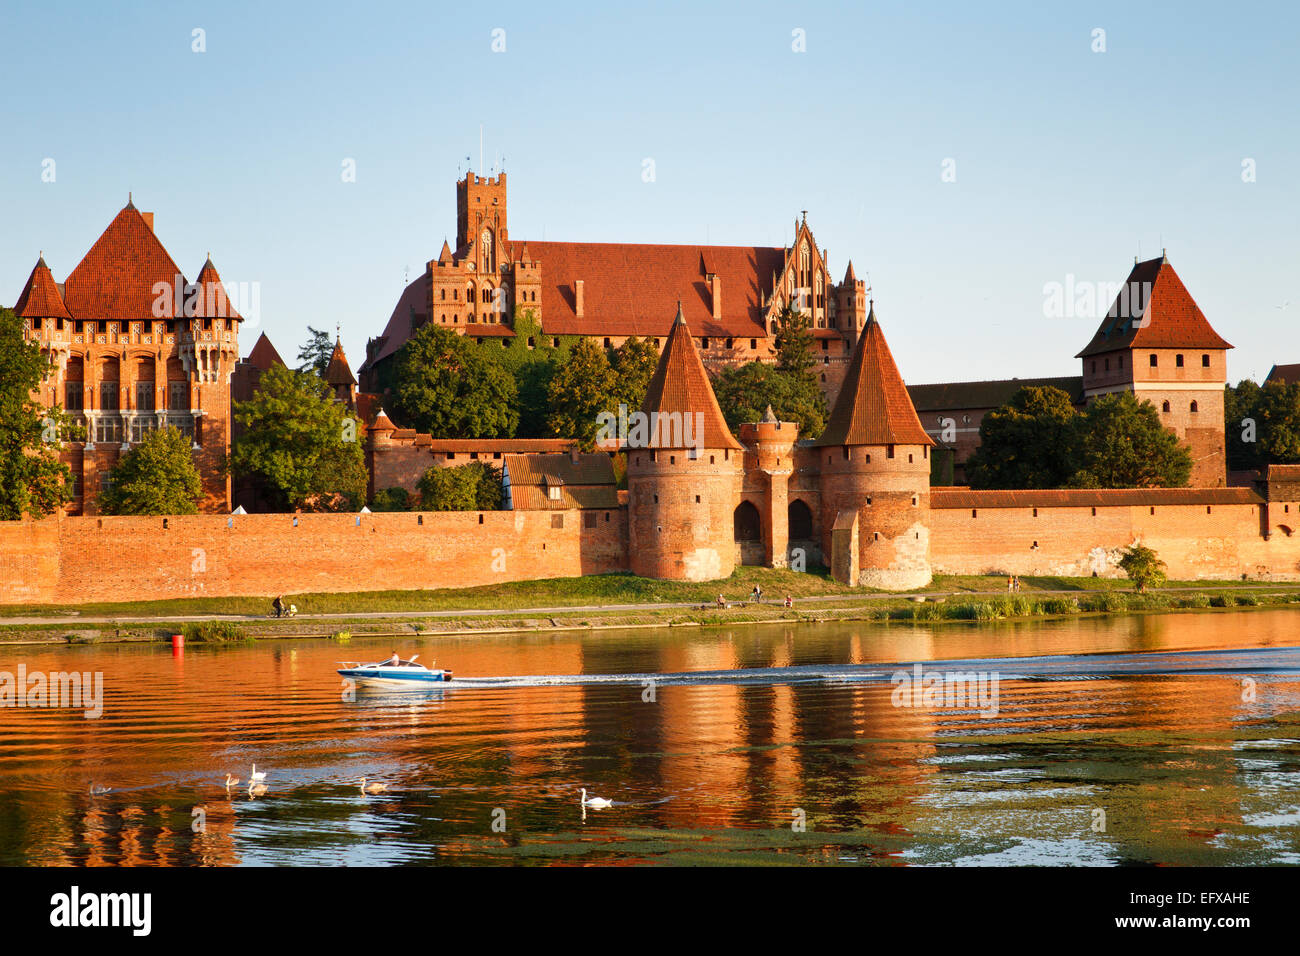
[[858, 498]]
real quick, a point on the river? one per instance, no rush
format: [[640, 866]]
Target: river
[[1169, 738]]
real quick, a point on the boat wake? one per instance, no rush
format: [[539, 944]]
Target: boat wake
[[1234, 662]]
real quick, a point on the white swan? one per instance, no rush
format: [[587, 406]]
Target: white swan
[[231, 781], [256, 789], [255, 776], [596, 803], [372, 788], [97, 791]]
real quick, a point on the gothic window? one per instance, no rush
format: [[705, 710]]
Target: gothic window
[[487, 251]]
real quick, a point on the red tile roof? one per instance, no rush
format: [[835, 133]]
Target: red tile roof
[[213, 303], [630, 289], [338, 372], [1154, 310], [116, 278], [264, 354], [412, 306], [587, 482], [873, 407], [489, 329], [1089, 497], [681, 386], [1286, 374], [40, 298]]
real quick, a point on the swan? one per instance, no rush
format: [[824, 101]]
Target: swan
[[255, 776], [231, 781], [256, 789], [597, 803], [372, 788], [96, 791]]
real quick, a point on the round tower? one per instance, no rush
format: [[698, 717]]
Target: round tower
[[683, 470], [875, 475], [769, 446]]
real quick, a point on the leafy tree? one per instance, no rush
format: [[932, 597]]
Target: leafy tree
[[1030, 442], [156, 477], [745, 391], [1262, 424], [391, 499], [583, 386], [446, 385], [472, 487], [531, 359], [1122, 444], [32, 479], [303, 446], [634, 364], [315, 355], [1143, 567], [793, 341], [1240, 429]]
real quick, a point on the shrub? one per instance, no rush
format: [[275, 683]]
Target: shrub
[[1059, 605], [1103, 601], [1195, 600], [1222, 600], [1247, 600], [1143, 567], [212, 632]]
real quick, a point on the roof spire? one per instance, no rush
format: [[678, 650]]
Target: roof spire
[[681, 319], [130, 203]]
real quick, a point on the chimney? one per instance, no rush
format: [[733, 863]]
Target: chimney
[[577, 296], [715, 285], [573, 454], [148, 219]]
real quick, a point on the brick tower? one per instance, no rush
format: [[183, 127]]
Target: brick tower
[[683, 472], [875, 475], [1156, 344], [135, 347], [768, 466]]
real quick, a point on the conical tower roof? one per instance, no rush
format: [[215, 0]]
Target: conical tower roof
[[215, 304], [873, 407], [680, 385], [338, 372], [40, 298]]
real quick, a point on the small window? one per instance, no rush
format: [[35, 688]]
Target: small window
[[1205, 361], [451, 456], [557, 521], [972, 513], [589, 519], [1120, 361], [1035, 512], [553, 492], [1164, 406], [889, 451], [1108, 365], [753, 343], [1178, 361], [1154, 361], [1195, 408]]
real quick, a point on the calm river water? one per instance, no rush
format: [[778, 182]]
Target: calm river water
[[1130, 740]]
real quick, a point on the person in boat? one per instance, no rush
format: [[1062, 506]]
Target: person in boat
[[394, 660], [278, 606]]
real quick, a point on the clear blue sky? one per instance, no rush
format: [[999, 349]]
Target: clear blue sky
[[1067, 160]]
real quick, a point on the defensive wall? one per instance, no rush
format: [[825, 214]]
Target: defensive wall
[[72, 560]]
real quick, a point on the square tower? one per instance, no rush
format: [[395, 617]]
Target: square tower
[[1156, 344]]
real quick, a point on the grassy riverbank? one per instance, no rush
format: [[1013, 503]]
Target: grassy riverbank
[[620, 601]]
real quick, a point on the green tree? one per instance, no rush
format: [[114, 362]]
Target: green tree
[[1241, 429], [1143, 567], [391, 499], [582, 387], [447, 386], [315, 355], [32, 479], [304, 447], [1122, 444], [531, 359], [1030, 442], [472, 487], [793, 341], [745, 391], [1263, 424], [634, 364], [156, 477]]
